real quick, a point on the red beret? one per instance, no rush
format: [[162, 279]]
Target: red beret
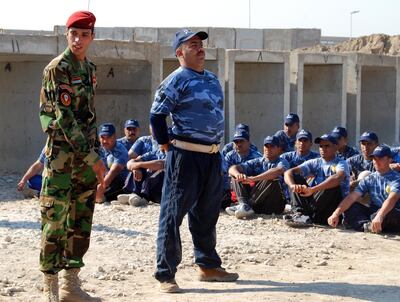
[[81, 19]]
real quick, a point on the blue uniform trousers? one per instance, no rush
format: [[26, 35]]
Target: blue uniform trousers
[[358, 214], [193, 185]]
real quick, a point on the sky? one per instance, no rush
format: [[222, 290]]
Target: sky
[[332, 17]]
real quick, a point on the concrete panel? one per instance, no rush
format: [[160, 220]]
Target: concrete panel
[[277, 39], [18, 44], [166, 36], [124, 92], [378, 101], [222, 38], [146, 34], [21, 135], [302, 37], [322, 98], [259, 98], [249, 38]]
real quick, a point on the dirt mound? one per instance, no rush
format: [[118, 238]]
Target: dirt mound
[[374, 44]]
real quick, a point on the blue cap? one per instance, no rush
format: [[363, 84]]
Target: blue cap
[[304, 134], [381, 151], [339, 132], [186, 34], [107, 129], [292, 118], [132, 124], [272, 140], [241, 134], [245, 127], [326, 137], [369, 136]]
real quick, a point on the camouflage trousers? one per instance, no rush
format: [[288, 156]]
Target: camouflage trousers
[[66, 205]]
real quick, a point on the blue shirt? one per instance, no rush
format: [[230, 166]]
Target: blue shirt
[[195, 102], [233, 157], [295, 159], [322, 169], [143, 145], [289, 142], [230, 146], [117, 155], [379, 186], [259, 165], [358, 163], [124, 141], [153, 155], [396, 154], [348, 152]]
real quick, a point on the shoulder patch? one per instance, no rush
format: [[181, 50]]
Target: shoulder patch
[[65, 98]]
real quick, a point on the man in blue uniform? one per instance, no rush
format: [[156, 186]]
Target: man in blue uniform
[[266, 196], [344, 150], [363, 162], [383, 186], [115, 157], [193, 183], [132, 133], [315, 202], [303, 149], [143, 145], [287, 136], [33, 177], [241, 153], [231, 145]]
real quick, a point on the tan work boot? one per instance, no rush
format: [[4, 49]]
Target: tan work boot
[[50, 287], [217, 274], [71, 290], [169, 286]]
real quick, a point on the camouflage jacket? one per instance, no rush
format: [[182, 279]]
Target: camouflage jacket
[[67, 111]]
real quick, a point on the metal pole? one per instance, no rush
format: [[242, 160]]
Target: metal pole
[[249, 13], [351, 21], [88, 4]]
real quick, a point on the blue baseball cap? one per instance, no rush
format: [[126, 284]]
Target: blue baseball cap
[[304, 134], [186, 34], [132, 124], [291, 118], [243, 126], [272, 140], [369, 136], [107, 129], [326, 137], [339, 132], [241, 134], [381, 151]]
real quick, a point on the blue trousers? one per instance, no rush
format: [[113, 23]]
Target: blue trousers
[[193, 185], [358, 214]]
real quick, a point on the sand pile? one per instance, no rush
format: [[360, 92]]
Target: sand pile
[[374, 44]]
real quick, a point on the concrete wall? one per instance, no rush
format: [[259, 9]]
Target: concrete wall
[[318, 91], [378, 102], [257, 91]]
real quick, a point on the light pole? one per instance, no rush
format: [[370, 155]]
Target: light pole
[[249, 13], [351, 21]]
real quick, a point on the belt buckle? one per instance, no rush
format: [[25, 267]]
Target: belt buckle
[[214, 149]]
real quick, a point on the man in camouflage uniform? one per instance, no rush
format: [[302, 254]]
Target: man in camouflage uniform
[[67, 199], [193, 183]]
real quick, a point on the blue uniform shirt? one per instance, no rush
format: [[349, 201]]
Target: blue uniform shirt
[[396, 154], [117, 155], [348, 152], [379, 186], [153, 155], [295, 159], [289, 142], [124, 141], [259, 165], [322, 169], [143, 145], [195, 102], [230, 146], [357, 164], [233, 157]]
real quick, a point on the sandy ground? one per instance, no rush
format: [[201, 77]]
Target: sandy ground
[[275, 262]]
